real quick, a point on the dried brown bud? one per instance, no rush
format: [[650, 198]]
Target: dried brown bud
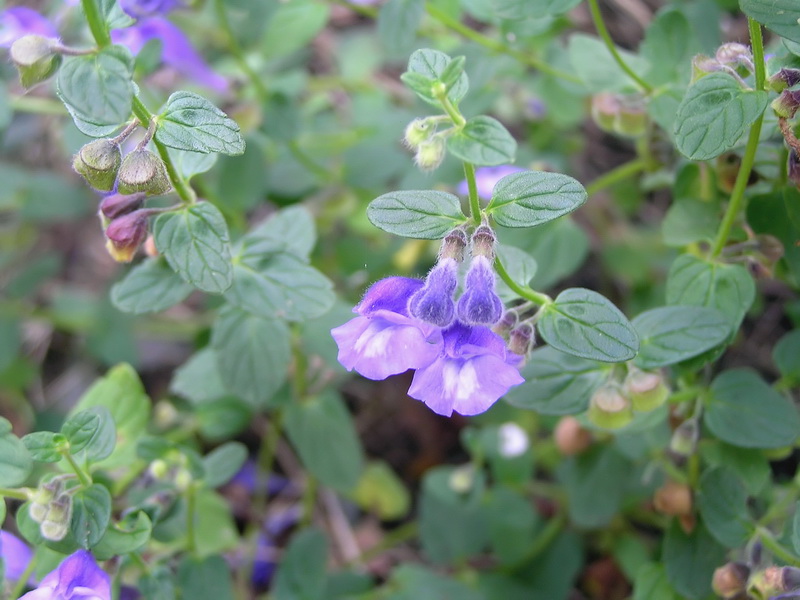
[[570, 437], [673, 498], [730, 579]]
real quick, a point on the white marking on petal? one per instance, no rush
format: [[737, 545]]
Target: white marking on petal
[[371, 345], [460, 381]]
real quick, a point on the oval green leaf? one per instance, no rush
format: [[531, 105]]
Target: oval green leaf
[[483, 141], [151, 286], [190, 122], [781, 16], [531, 198], [426, 214]]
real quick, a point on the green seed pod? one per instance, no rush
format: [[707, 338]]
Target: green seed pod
[[34, 58], [609, 409], [98, 162], [143, 171], [646, 391], [430, 154]]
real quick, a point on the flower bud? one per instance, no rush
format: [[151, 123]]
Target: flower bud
[[98, 162], [430, 154], [605, 107], [53, 531], [683, 442], [462, 479], [776, 580], [150, 247], [570, 437], [631, 120], [38, 511], [735, 54], [785, 78], [434, 302], [513, 441], [453, 245], [522, 339], [183, 479], [480, 304], [506, 323], [34, 58], [158, 469], [483, 242], [117, 205], [786, 104], [674, 499], [56, 523], [418, 132], [770, 247], [646, 391], [142, 171], [703, 65], [126, 233], [608, 408], [730, 579], [793, 168]]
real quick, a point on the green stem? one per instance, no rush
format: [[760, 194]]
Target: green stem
[[616, 175], [737, 195], [97, 24], [472, 186], [15, 494], [236, 50], [757, 43], [309, 500], [83, 476], [397, 536], [771, 544], [600, 25], [455, 115], [22, 582], [522, 291], [494, 45], [191, 514]]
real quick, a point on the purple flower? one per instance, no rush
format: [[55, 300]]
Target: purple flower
[[385, 340], [77, 577], [176, 49], [249, 479], [434, 302], [20, 21], [148, 8], [486, 178], [15, 554], [480, 304], [473, 370]]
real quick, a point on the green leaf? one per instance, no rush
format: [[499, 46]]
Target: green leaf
[[190, 122], [426, 67], [398, 21], [728, 288], [796, 529], [585, 324], [786, 355], [530, 198], [380, 490], [97, 89], [415, 582], [151, 286], [688, 221], [289, 230], [91, 431], [280, 286], [252, 354], [322, 432], [216, 530], [596, 67], [483, 141], [750, 465], [15, 460], [722, 502], [291, 27], [205, 579], [651, 583], [670, 334], [520, 266], [223, 462], [42, 446], [452, 524], [714, 115], [557, 383], [531, 9], [744, 411], [301, 575], [691, 559], [91, 512], [198, 379], [668, 47], [113, 14], [512, 524], [781, 16], [10, 340], [194, 241], [130, 534], [427, 215], [190, 164]]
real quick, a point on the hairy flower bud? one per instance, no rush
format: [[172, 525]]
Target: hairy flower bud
[[512, 440], [647, 391], [34, 58], [418, 132], [570, 437], [683, 442], [786, 104], [608, 408], [522, 339], [730, 579], [776, 580], [735, 54], [98, 162], [142, 171], [674, 499], [117, 205], [430, 154], [483, 242], [56, 523], [506, 323], [434, 302], [126, 233], [480, 304], [703, 65], [785, 78], [453, 245]]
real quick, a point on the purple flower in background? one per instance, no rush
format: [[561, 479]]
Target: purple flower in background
[[385, 340], [139, 9], [15, 554], [77, 577], [486, 178], [473, 370], [20, 21], [248, 478]]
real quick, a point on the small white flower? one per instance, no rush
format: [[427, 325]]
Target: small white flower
[[513, 440]]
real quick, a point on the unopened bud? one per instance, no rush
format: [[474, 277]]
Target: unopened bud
[[453, 245], [570, 437], [483, 242], [786, 104], [673, 499], [53, 531], [143, 171], [417, 132], [522, 339], [34, 58], [605, 107], [631, 120], [735, 54], [37, 511], [506, 323], [183, 479], [647, 391], [117, 205], [609, 409], [56, 523], [730, 579], [158, 469], [785, 78], [793, 168], [98, 162], [462, 479], [703, 65], [770, 247], [683, 442], [430, 154], [776, 580], [126, 233], [513, 440]]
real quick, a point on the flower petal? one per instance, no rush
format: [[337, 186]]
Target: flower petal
[[21, 20], [15, 554], [389, 294]]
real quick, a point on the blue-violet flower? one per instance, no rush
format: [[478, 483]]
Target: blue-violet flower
[[77, 577], [15, 554], [21, 21], [480, 304], [434, 302]]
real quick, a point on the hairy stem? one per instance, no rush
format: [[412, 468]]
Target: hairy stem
[[523, 291], [616, 175], [97, 24], [472, 186], [83, 476]]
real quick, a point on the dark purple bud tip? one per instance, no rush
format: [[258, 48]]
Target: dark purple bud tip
[[117, 205], [480, 304], [793, 169], [785, 78], [730, 579], [521, 339], [434, 302], [126, 233], [786, 104], [507, 322]]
